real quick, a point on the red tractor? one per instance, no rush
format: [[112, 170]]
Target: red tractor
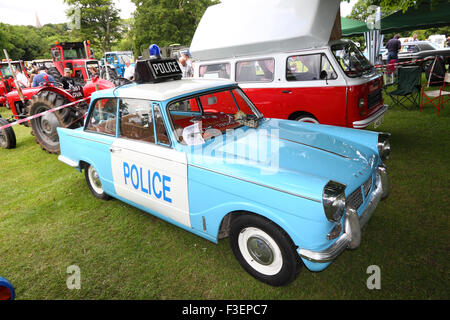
[[7, 79], [25, 102], [48, 96], [77, 56]]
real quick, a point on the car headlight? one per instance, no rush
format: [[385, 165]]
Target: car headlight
[[333, 200], [384, 147]]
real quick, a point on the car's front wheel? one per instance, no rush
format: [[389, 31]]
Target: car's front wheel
[[94, 183], [264, 250]]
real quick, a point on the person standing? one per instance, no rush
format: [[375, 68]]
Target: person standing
[[21, 78], [187, 72], [415, 37], [189, 63], [393, 46], [129, 71]]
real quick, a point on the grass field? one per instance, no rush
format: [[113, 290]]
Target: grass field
[[49, 221]]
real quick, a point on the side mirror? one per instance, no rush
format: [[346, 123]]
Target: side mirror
[[323, 75], [91, 52]]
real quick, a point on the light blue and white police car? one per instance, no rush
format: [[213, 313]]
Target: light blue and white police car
[[197, 153]]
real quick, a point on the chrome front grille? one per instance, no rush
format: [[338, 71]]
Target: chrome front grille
[[367, 185], [355, 199]]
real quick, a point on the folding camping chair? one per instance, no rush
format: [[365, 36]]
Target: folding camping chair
[[439, 79], [441, 95], [408, 87]]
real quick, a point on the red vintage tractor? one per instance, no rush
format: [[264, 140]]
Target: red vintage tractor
[[77, 56], [7, 79], [48, 96], [26, 102]]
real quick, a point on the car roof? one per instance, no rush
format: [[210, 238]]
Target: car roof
[[163, 90]]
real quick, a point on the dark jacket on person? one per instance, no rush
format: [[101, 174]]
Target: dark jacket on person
[[393, 45]]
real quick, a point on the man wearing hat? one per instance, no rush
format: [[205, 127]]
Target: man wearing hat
[[67, 79]]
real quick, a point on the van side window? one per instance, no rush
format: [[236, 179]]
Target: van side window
[[219, 70], [136, 120], [103, 117], [255, 70], [308, 67]]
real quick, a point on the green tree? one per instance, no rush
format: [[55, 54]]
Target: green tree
[[166, 22], [99, 21]]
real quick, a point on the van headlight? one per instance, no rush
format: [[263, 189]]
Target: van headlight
[[384, 147], [333, 200]]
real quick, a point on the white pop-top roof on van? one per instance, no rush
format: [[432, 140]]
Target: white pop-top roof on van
[[240, 28]]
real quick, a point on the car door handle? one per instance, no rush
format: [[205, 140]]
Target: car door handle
[[114, 149], [286, 91]]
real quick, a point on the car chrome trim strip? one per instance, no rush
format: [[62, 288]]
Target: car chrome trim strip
[[353, 227], [93, 140], [259, 184], [67, 161], [308, 145]]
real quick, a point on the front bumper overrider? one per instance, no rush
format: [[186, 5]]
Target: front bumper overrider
[[353, 225]]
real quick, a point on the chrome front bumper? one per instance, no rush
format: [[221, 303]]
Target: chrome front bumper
[[351, 237]]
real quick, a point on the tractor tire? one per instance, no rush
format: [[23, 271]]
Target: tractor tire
[[119, 81], [7, 136], [109, 74], [55, 74], [44, 127]]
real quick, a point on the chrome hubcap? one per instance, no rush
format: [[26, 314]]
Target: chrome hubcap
[[260, 250], [95, 178]]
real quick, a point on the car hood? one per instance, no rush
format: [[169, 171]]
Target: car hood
[[289, 156]]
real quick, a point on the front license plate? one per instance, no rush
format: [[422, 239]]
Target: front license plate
[[378, 122]]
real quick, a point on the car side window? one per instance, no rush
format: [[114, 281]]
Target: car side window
[[261, 70], [102, 118], [136, 120], [219, 70], [308, 67]]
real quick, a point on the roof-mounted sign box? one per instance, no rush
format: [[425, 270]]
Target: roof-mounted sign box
[[157, 70]]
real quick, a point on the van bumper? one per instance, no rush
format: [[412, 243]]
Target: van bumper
[[361, 124]]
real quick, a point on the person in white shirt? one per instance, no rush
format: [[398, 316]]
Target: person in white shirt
[[129, 71], [185, 69], [21, 78]]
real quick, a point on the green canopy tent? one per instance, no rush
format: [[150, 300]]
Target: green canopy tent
[[422, 17], [352, 27]]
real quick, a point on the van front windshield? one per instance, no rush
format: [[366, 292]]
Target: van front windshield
[[351, 60], [200, 118]]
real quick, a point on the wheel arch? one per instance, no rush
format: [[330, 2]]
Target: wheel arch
[[227, 220], [297, 114]]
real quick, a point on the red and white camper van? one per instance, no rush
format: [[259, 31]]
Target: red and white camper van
[[280, 53]]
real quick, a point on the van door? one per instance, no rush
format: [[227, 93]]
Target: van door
[[146, 170], [313, 88]]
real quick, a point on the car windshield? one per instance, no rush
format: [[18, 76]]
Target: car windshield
[[351, 60], [202, 117], [125, 57]]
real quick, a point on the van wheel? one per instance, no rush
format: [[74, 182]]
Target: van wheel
[[264, 250], [306, 118], [94, 183]]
